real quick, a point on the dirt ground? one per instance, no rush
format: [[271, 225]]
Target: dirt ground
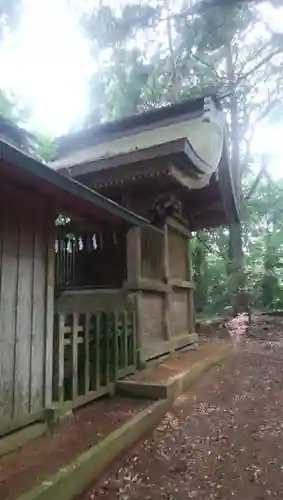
[[42, 457], [223, 440]]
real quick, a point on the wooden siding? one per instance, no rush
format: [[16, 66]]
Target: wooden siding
[[26, 309], [179, 312], [159, 275], [178, 249], [93, 301], [151, 252]]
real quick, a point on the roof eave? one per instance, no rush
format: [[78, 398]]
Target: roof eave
[[35, 168], [189, 109]]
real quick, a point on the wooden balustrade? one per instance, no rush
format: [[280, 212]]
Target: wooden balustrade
[[90, 353]]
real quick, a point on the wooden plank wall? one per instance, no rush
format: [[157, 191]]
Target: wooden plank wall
[[26, 309], [159, 272], [177, 251], [151, 252], [181, 300]]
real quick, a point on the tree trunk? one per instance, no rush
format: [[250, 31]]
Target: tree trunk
[[236, 254], [238, 295], [173, 83], [270, 282], [201, 290]]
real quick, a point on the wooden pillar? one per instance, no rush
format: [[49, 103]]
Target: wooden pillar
[[134, 271], [134, 267], [166, 276], [49, 315], [184, 281], [191, 304]]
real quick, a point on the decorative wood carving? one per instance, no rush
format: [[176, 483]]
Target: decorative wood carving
[[165, 206]]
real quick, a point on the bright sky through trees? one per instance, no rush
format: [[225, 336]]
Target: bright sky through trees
[[47, 63]]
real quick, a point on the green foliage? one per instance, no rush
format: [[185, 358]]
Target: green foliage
[[45, 148], [157, 53], [200, 274], [12, 109], [108, 28], [263, 254], [6, 106]]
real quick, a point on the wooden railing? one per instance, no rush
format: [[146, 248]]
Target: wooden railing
[[90, 353]]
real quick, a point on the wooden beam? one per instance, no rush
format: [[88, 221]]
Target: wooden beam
[[125, 338], [86, 341], [134, 253], [147, 285], [165, 255], [179, 283], [191, 305], [179, 225], [20, 423], [182, 179], [76, 329], [94, 167], [97, 319], [49, 315], [61, 333], [107, 334], [166, 298]]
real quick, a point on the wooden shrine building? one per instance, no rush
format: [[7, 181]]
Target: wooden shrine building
[[170, 166], [95, 266], [42, 359]]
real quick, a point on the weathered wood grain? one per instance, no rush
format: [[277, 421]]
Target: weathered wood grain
[[49, 312], [26, 308], [38, 315], [9, 282], [24, 305]]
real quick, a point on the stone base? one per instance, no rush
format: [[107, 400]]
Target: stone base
[[173, 376], [19, 438], [157, 349], [71, 480]]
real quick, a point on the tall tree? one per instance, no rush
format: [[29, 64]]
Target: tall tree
[[162, 52]]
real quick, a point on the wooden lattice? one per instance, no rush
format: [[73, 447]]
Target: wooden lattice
[[90, 353]]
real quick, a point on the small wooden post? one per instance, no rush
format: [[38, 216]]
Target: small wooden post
[[107, 337], [134, 254], [191, 305], [49, 317], [134, 338], [61, 358], [165, 256], [134, 272], [125, 339], [74, 334], [86, 339], [166, 275], [97, 351], [138, 330], [115, 346]]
